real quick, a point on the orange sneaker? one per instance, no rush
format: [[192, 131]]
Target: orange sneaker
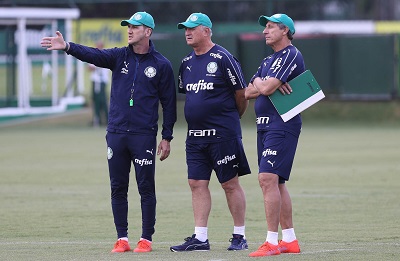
[[143, 246], [292, 247], [266, 249], [121, 246]]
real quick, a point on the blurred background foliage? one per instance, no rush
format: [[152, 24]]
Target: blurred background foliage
[[168, 11]]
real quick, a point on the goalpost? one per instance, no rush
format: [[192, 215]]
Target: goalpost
[[20, 19]]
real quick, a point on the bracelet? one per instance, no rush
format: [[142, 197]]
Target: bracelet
[[66, 47]]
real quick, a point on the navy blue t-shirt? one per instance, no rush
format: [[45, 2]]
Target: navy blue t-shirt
[[210, 81], [283, 65]]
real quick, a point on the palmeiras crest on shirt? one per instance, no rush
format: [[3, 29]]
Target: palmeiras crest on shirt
[[212, 67], [109, 153], [150, 71]]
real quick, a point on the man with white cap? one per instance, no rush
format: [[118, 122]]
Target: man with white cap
[[276, 139], [214, 85], [142, 79]]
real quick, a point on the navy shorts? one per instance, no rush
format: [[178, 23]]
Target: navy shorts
[[276, 150], [226, 158]]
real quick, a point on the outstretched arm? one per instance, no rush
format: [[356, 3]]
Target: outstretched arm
[[54, 43]]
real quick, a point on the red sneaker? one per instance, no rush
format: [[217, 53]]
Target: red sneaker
[[121, 246], [266, 249], [292, 247], [143, 246]]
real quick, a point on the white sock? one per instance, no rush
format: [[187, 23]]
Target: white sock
[[145, 239], [239, 230], [272, 238], [201, 233], [123, 238], [288, 235]]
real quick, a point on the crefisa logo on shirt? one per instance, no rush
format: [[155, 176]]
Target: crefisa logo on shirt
[[187, 58], [216, 55], [231, 76], [150, 71], [200, 85]]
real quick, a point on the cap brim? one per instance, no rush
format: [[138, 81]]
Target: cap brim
[[126, 22], [187, 25], [263, 20]]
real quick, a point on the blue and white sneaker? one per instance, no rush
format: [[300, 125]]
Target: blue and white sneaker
[[238, 243], [191, 244]]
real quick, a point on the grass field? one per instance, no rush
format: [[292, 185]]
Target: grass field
[[54, 195]]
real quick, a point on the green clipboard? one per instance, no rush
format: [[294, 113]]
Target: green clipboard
[[306, 92]]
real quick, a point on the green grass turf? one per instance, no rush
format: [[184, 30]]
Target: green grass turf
[[55, 205]]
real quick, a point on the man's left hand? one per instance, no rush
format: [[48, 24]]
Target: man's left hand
[[164, 149]]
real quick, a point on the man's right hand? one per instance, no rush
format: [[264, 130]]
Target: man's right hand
[[54, 43]]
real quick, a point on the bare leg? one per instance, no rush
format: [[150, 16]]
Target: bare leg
[[236, 200], [201, 201], [286, 208], [272, 199]]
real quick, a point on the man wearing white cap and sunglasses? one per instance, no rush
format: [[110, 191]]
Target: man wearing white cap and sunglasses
[[276, 139], [142, 79]]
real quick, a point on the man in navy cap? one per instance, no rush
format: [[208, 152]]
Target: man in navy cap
[[214, 85], [276, 139], [142, 78]]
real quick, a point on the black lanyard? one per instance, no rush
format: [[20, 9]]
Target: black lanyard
[[131, 101]]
